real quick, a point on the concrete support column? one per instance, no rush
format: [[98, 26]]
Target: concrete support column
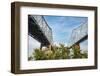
[[77, 45], [41, 46]]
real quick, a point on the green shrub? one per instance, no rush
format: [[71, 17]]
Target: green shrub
[[57, 52]]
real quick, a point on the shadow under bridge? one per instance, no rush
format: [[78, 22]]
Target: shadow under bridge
[[39, 29]]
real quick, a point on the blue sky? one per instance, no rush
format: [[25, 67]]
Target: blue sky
[[62, 26]]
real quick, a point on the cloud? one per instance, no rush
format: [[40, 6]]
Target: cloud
[[57, 44], [62, 26], [32, 44]]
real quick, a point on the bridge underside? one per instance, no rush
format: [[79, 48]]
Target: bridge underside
[[81, 40], [36, 33], [79, 34]]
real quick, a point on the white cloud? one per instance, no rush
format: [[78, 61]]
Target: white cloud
[[32, 44], [57, 44]]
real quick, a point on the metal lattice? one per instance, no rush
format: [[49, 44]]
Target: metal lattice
[[43, 26], [78, 33]]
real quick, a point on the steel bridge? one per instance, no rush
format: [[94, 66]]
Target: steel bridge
[[39, 29], [79, 34]]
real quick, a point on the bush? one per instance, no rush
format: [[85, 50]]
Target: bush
[[30, 58], [58, 52], [77, 52]]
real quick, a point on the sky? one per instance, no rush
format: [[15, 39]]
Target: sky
[[62, 26], [84, 45], [32, 44]]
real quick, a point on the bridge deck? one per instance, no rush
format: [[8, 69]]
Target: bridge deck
[[79, 34], [38, 30]]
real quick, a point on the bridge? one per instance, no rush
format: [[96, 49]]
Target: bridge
[[39, 29], [79, 34]]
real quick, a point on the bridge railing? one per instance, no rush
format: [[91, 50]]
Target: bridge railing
[[43, 26], [78, 33]]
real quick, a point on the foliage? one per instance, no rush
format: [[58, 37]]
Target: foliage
[[77, 52], [38, 54], [30, 58], [57, 52], [84, 54]]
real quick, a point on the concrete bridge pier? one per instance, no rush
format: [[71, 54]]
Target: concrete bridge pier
[[49, 46], [77, 45]]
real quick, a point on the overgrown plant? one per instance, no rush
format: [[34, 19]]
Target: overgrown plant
[[58, 52]]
